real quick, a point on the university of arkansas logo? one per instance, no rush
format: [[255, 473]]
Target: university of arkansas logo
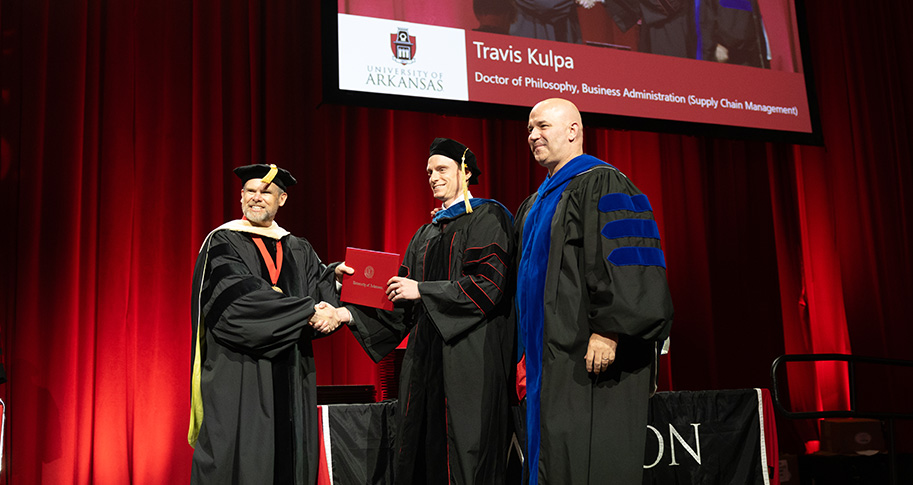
[[403, 46]]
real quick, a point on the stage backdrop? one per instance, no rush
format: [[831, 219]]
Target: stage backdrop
[[121, 122]]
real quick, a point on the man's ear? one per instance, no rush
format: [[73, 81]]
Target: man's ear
[[282, 198], [573, 131]]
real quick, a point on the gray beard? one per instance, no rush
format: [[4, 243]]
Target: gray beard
[[260, 218]]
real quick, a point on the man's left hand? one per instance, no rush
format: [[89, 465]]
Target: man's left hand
[[600, 352], [399, 288], [721, 53], [342, 269]]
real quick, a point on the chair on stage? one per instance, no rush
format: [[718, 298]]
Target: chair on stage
[[879, 374]]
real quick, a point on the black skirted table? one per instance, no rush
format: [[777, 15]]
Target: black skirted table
[[724, 436]]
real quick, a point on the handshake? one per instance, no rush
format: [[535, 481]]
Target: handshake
[[327, 318]]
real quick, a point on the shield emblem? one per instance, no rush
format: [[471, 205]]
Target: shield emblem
[[403, 46]]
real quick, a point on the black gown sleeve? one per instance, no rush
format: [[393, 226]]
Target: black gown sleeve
[[625, 13], [548, 10], [625, 267], [548, 20], [456, 306], [377, 331], [242, 311]]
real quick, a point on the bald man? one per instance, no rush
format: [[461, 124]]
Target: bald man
[[592, 304]]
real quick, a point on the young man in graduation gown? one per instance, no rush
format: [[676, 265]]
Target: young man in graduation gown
[[452, 298], [592, 303], [253, 395]]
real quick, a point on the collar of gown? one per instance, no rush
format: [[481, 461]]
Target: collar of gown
[[273, 231]]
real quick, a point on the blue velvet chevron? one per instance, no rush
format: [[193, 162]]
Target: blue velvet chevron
[[640, 228], [631, 228]]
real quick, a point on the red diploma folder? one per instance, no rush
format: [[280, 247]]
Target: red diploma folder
[[369, 283]]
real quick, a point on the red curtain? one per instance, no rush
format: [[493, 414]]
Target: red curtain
[[120, 123]]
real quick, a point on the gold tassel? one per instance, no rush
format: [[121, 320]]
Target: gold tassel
[[268, 178], [465, 183]]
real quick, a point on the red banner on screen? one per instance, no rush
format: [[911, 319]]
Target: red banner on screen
[[521, 71]]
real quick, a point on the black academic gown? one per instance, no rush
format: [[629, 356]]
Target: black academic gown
[[666, 26], [736, 25], [258, 371], [593, 429], [547, 20], [453, 400]]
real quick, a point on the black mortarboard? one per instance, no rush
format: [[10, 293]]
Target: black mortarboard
[[269, 173], [455, 150]]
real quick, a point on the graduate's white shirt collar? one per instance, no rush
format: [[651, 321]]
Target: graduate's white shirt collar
[[458, 199]]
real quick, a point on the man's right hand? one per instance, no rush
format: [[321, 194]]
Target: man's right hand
[[600, 352], [324, 319]]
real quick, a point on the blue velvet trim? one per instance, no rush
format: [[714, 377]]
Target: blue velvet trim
[[624, 202], [458, 209], [531, 274], [737, 4], [637, 256], [631, 228]]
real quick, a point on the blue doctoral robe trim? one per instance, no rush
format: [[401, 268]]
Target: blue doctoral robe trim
[[624, 202], [458, 209], [637, 256], [737, 4], [531, 290], [631, 228]]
